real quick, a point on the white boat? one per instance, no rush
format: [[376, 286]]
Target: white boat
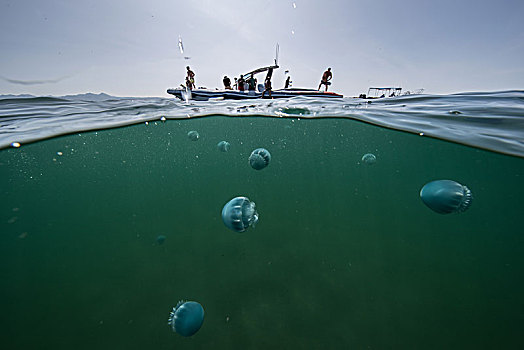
[[203, 94], [206, 94]]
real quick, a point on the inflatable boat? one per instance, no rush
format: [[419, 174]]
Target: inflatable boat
[[206, 94]]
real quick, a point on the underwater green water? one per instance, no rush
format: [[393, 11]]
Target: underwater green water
[[345, 255]]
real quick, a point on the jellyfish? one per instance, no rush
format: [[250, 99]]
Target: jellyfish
[[259, 158], [369, 158], [446, 196], [223, 146], [160, 239], [193, 135], [186, 318], [239, 213]]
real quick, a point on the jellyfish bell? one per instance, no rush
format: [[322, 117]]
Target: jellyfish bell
[[369, 158], [239, 214], [259, 158], [193, 135], [446, 196], [161, 239], [223, 146], [186, 318]]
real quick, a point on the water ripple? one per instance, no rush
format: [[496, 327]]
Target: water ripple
[[488, 120]]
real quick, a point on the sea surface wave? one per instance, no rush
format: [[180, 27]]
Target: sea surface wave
[[488, 120]]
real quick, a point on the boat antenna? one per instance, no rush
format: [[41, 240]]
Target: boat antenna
[[276, 55]]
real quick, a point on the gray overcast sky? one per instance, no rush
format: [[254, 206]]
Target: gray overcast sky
[[129, 48]]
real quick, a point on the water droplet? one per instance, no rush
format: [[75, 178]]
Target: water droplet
[[181, 45]]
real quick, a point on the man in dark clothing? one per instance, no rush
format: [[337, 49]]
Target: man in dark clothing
[[190, 78], [252, 82], [267, 83], [288, 82], [241, 83], [227, 82], [326, 77], [267, 87]]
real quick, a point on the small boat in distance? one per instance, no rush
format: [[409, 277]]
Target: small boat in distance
[[204, 94], [381, 92]]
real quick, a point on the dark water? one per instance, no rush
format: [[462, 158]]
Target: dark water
[[345, 255]]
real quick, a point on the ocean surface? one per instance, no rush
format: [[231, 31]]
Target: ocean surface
[[111, 214]]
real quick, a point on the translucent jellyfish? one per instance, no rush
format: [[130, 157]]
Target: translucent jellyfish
[[161, 239], [193, 135], [186, 318], [223, 146], [259, 158], [369, 158], [446, 196], [239, 213]]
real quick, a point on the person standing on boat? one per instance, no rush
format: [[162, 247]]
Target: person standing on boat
[[326, 77], [190, 78], [252, 82], [267, 87], [227, 82], [241, 83], [288, 82], [267, 83]]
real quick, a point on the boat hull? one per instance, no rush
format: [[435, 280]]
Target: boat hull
[[205, 95]]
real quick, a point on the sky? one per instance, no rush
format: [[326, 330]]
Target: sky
[[130, 47]]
